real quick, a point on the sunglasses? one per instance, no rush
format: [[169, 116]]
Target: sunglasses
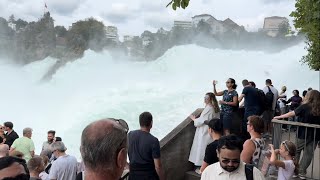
[[122, 123], [234, 161], [285, 145]]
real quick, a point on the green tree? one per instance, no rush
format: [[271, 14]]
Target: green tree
[[284, 28], [178, 4], [87, 34], [61, 31], [11, 19], [306, 20], [20, 24]]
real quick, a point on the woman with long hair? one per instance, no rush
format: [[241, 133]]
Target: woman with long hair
[[229, 103], [202, 138], [308, 112]]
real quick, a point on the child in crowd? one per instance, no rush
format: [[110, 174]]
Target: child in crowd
[[287, 166]]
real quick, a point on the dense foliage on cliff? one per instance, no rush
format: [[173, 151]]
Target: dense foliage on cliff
[[307, 20], [36, 41], [31, 41], [87, 34]]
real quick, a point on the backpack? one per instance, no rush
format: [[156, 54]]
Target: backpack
[[249, 171], [262, 101], [269, 99]]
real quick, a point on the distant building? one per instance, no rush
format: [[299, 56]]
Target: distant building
[[217, 26], [112, 33], [127, 38], [183, 24], [271, 25], [230, 25], [196, 19], [12, 26]]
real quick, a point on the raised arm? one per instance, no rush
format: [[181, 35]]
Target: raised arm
[[215, 92], [273, 158]]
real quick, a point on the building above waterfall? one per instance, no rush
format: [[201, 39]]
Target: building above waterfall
[[183, 24], [217, 26], [112, 33], [272, 24]]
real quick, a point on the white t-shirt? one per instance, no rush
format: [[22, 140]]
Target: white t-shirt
[[64, 168], [287, 173], [281, 104]]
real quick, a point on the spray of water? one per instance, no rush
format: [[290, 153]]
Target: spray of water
[[98, 86]]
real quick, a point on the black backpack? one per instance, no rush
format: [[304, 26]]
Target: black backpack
[[262, 101], [249, 171], [269, 99]]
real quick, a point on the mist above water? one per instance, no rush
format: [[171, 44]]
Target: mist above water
[[99, 86]]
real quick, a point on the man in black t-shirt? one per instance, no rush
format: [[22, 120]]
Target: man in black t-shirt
[[11, 135], [144, 151], [215, 132], [251, 103]]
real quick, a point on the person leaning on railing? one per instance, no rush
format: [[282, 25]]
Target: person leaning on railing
[[307, 112]]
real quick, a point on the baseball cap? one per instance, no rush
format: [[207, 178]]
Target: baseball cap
[[214, 124]]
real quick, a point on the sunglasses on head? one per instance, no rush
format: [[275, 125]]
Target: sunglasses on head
[[234, 161], [122, 123], [285, 145]]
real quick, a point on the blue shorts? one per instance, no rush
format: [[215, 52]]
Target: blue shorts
[[226, 119]]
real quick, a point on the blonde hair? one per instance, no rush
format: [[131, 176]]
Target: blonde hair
[[284, 88], [214, 102]]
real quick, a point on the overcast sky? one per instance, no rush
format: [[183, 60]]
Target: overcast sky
[[135, 16]]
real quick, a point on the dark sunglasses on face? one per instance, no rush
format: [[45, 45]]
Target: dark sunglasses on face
[[234, 161]]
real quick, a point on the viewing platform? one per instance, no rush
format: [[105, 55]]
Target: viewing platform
[[176, 146]]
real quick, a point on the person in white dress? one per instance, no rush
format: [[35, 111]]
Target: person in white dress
[[202, 138]]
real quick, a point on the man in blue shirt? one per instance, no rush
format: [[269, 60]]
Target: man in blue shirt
[[144, 151]]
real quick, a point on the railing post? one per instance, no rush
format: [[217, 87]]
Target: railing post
[[276, 139]]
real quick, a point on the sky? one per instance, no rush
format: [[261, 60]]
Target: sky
[[132, 17]]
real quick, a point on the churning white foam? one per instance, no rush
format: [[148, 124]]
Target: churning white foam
[[99, 86]]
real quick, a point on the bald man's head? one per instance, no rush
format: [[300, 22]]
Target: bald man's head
[[4, 150], [101, 142]]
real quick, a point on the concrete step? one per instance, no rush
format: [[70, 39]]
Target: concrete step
[[191, 175]]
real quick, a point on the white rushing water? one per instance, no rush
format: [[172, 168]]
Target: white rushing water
[[171, 88]]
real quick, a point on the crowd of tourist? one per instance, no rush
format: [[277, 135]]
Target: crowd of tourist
[[216, 152]]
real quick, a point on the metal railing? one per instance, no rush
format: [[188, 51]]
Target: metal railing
[[293, 131]]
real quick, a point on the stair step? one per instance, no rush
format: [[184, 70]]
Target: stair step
[[191, 175]]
